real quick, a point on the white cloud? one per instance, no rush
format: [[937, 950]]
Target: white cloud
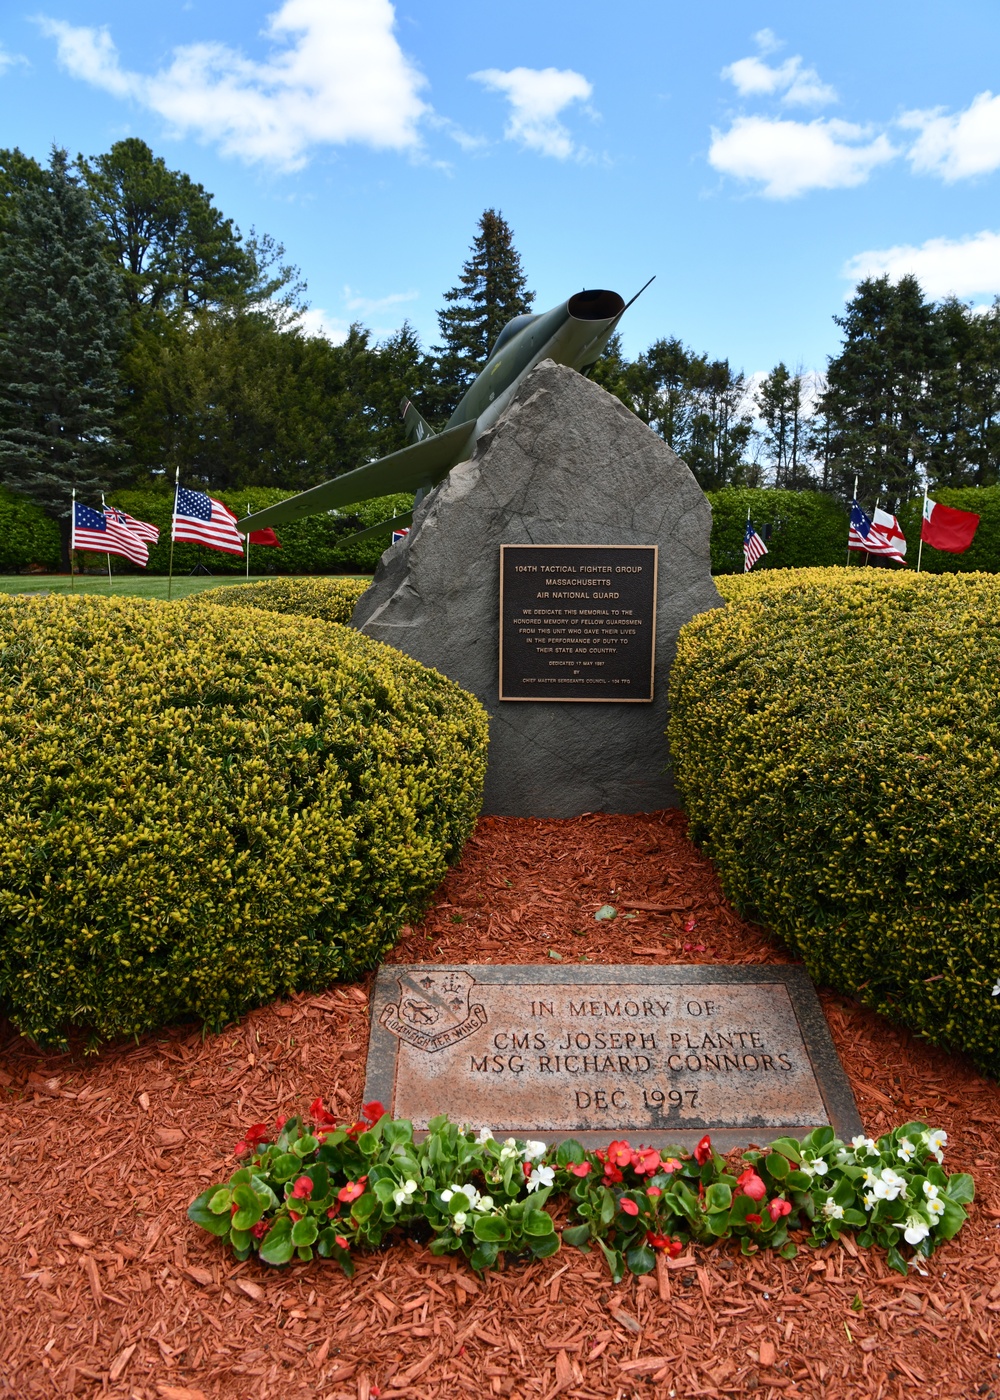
[[943, 266], [537, 96], [336, 74], [959, 146], [798, 86], [789, 157], [368, 306], [314, 321], [8, 60]]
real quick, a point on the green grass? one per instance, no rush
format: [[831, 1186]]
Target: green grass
[[123, 586]]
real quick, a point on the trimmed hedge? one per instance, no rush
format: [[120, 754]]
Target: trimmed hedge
[[808, 528], [332, 599], [27, 535], [195, 817], [836, 738]]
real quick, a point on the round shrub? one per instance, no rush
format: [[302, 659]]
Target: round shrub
[[332, 599], [196, 817], [836, 739]]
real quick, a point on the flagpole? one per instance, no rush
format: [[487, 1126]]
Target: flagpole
[[923, 516], [72, 532], [248, 544], [170, 573], [104, 512]]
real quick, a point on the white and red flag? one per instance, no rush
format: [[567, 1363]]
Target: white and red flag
[[200, 519], [944, 527], [889, 533]]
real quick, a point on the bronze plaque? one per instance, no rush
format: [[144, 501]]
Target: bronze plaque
[[577, 622], [663, 1053]]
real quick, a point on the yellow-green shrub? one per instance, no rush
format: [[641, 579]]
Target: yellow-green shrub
[[200, 811], [332, 599], [836, 737]]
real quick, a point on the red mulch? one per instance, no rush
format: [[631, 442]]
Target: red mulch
[[107, 1290]]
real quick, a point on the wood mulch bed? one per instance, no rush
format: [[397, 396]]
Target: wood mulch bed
[[107, 1290]]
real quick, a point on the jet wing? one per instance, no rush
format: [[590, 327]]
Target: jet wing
[[421, 464]]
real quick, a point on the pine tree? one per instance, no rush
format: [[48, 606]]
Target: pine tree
[[491, 291], [779, 402], [62, 320]]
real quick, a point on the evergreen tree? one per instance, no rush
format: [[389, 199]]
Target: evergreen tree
[[875, 397], [779, 402], [960, 421], [62, 320], [491, 291]]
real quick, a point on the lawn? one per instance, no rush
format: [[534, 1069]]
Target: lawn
[[123, 586]]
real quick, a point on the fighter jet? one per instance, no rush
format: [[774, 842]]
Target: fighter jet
[[575, 334]]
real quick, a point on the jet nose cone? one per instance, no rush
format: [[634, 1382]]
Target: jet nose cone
[[595, 306]]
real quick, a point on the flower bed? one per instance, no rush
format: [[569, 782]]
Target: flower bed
[[311, 1186]]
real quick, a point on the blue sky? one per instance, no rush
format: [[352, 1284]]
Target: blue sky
[[754, 157]]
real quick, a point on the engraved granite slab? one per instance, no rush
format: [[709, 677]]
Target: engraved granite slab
[[664, 1053]]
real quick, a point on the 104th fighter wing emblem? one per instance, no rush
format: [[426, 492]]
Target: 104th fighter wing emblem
[[433, 1010]]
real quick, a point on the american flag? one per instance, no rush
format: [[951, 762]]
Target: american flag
[[753, 548], [864, 535], [142, 528], [106, 532], [204, 520], [398, 535]]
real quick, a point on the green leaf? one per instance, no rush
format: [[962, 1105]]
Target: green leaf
[[285, 1167], [545, 1248], [578, 1236], [570, 1151], [398, 1130], [608, 1206], [240, 1239], [952, 1220], [789, 1250], [221, 1201], [538, 1222], [896, 1261], [961, 1188], [641, 1259], [492, 1228], [276, 1246], [364, 1207], [718, 1197], [606, 911], [305, 1231], [251, 1207], [777, 1165], [200, 1214], [484, 1256], [614, 1260], [304, 1146]]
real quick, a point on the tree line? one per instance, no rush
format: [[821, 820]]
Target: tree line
[[141, 332]]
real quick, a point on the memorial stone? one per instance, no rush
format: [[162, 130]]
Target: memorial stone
[[661, 1053], [566, 467]]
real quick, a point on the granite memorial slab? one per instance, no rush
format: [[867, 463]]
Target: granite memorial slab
[[662, 1053]]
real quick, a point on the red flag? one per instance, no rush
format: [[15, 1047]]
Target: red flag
[[943, 527], [263, 537]]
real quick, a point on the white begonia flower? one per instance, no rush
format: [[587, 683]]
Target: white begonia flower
[[449, 1191], [843, 1157], [916, 1230], [819, 1166], [485, 1203], [484, 1137], [865, 1144], [905, 1149], [937, 1140], [889, 1186], [458, 1221], [403, 1195], [471, 1195], [533, 1150], [935, 1208], [931, 1191], [996, 989], [509, 1152], [869, 1177], [870, 1200], [541, 1176], [832, 1211]]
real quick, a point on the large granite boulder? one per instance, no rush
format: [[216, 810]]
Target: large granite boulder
[[566, 464]]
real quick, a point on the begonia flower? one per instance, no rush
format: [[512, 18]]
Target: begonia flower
[[935, 1208], [703, 1152], [260, 1229], [458, 1221], [280, 1122], [779, 1207], [670, 1164], [832, 1211], [753, 1219], [751, 1185], [937, 1139], [619, 1154], [484, 1137], [653, 1192], [645, 1161], [628, 1206], [612, 1176], [915, 1229], [403, 1195], [340, 1241], [861, 1143], [533, 1150], [905, 1149], [319, 1114], [303, 1188], [656, 1241], [541, 1176], [373, 1111], [352, 1190], [931, 1191], [579, 1168]]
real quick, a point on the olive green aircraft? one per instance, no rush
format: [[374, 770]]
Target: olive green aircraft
[[574, 334]]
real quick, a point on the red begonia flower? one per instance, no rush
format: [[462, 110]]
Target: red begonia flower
[[703, 1152], [241, 1148], [670, 1164], [256, 1133], [753, 1219], [372, 1111], [579, 1168], [334, 1211], [260, 1229], [657, 1241], [339, 1239], [320, 1115], [629, 1207], [779, 1207], [611, 1175], [280, 1122], [303, 1188], [352, 1190], [654, 1191], [751, 1185], [675, 1248], [645, 1161], [293, 1216], [620, 1154]]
